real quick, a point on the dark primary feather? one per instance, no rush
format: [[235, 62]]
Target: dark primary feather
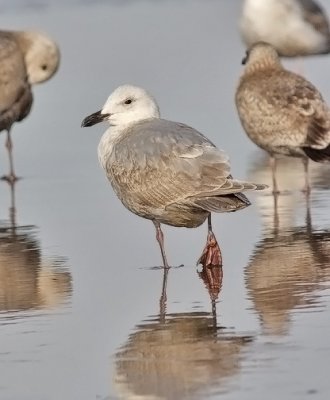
[[230, 202], [318, 155], [316, 144]]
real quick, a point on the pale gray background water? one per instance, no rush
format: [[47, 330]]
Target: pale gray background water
[[79, 316]]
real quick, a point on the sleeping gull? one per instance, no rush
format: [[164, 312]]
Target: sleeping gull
[[165, 171], [26, 58], [281, 111], [293, 27]]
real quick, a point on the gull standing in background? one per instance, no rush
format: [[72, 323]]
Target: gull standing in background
[[165, 171], [281, 111], [294, 27], [26, 58]]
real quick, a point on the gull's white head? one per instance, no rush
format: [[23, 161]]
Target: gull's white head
[[126, 105], [42, 56]]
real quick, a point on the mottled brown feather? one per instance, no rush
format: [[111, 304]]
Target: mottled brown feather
[[281, 111]]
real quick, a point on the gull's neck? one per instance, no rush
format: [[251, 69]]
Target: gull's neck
[[112, 136], [267, 63], [107, 143]]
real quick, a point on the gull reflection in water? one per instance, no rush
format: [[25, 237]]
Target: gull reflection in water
[[27, 281], [290, 265], [290, 179], [178, 356]]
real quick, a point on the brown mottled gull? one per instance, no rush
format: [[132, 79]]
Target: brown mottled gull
[[293, 27], [281, 111], [26, 58], [165, 171]]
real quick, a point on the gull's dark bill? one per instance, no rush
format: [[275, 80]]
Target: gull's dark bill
[[95, 118]]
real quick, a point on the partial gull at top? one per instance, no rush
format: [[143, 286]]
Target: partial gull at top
[[165, 171], [293, 27]]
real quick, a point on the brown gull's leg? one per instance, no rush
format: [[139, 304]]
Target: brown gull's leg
[[273, 167], [11, 177], [160, 239], [307, 188], [211, 255]]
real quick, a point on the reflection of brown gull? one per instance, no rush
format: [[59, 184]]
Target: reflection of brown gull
[[290, 178], [288, 172], [180, 357], [285, 273], [26, 282], [290, 263]]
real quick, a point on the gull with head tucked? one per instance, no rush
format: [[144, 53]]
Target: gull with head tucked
[[165, 171], [26, 58]]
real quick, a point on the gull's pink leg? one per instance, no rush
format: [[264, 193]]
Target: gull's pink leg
[[211, 255], [160, 239]]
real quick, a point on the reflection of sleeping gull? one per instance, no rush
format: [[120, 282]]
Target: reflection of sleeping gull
[[282, 112], [26, 282], [165, 171], [293, 27], [180, 359], [26, 58]]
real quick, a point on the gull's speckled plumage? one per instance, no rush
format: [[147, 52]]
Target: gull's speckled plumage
[[293, 27], [162, 170], [281, 111]]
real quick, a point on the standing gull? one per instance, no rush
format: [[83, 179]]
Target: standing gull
[[26, 58], [281, 111], [293, 27], [165, 171]]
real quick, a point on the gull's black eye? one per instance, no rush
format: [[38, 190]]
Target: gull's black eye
[[128, 101], [44, 67]]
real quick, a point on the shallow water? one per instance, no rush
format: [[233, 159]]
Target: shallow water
[[83, 308]]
